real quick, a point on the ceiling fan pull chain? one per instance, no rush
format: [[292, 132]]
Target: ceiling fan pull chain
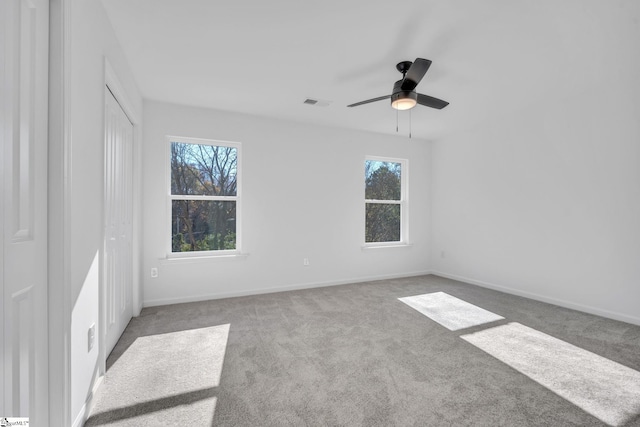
[[409, 124], [396, 121]]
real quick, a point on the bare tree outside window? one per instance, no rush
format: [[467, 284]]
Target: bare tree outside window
[[204, 197], [383, 201]]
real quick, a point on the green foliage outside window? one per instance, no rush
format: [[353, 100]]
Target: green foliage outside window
[[383, 192]]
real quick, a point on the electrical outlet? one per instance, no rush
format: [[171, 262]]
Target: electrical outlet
[[91, 337], [154, 272], [305, 262]]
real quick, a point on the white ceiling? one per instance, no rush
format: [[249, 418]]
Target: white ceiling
[[266, 57]]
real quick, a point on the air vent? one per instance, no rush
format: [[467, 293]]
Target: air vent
[[317, 102]]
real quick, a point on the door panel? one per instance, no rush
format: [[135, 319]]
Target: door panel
[[23, 216], [118, 278]]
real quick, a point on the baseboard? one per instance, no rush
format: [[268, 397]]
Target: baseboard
[[137, 310], [166, 301], [562, 303], [88, 404]]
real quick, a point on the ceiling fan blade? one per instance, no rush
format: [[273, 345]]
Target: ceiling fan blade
[[432, 102], [380, 98], [416, 72]]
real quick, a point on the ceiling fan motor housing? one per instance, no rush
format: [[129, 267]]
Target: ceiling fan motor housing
[[403, 67]]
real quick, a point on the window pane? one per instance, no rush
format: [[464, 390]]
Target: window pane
[[198, 225], [199, 169], [382, 222], [382, 180]]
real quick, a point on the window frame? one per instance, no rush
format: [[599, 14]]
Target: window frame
[[169, 139], [403, 203]]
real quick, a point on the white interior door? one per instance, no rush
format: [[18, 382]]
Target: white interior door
[[23, 214], [118, 254]]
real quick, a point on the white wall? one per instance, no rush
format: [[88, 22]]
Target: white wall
[[302, 195], [545, 202], [92, 40]]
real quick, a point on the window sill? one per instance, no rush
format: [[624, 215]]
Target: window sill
[[170, 259], [386, 246]]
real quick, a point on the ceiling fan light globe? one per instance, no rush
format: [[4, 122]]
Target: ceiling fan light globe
[[403, 104], [404, 100]]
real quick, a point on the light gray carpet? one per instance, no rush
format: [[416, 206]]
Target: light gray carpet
[[451, 312], [606, 389], [355, 355], [157, 370]]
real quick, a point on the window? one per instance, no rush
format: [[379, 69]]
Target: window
[[385, 200], [204, 195]]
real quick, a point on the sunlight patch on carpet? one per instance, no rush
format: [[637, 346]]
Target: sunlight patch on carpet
[[449, 311], [174, 374], [605, 389], [174, 363]]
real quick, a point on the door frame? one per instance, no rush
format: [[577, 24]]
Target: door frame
[[3, 115], [59, 207]]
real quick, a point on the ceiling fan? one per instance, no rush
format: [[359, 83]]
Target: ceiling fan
[[404, 95]]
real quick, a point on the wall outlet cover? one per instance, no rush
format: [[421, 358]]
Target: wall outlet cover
[[91, 337]]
